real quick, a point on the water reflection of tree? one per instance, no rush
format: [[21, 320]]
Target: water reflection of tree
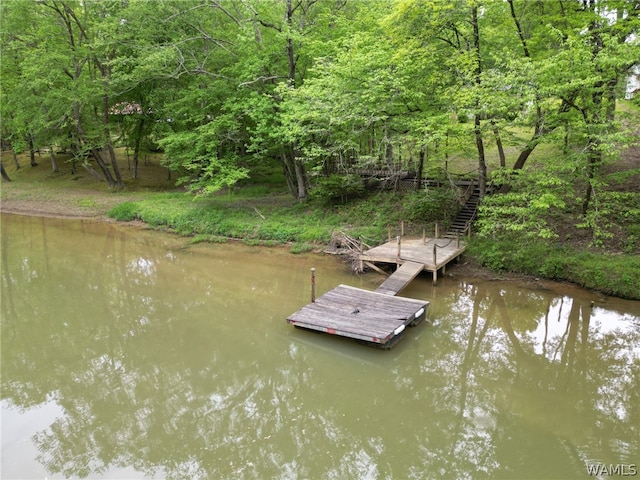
[[512, 400], [479, 395], [135, 390]]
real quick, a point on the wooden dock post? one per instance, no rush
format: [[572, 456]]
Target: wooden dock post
[[389, 232], [436, 234], [402, 228], [424, 235], [313, 285], [457, 239], [398, 239], [435, 264]]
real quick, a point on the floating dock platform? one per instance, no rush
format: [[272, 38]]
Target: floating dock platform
[[374, 318]]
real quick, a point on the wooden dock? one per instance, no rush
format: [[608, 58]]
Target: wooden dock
[[371, 317], [433, 253], [379, 318], [400, 278]]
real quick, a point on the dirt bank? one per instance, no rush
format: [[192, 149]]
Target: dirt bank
[[26, 199], [50, 209]]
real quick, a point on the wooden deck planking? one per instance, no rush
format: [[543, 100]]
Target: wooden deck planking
[[371, 299], [361, 327], [416, 250], [375, 306], [400, 278], [359, 314]]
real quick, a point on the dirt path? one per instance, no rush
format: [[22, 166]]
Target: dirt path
[[26, 199]]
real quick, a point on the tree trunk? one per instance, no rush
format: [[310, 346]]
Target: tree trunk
[[290, 49], [54, 163], [94, 151], [107, 135], [289, 173], [74, 154], [496, 133], [114, 165], [388, 154], [5, 177], [136, 147], [482, 165], [302, 180], [593, 161], [32, 152], [103, 167], [541, 130], [15, 159], [297, 173], [423, 149], [594, 156]]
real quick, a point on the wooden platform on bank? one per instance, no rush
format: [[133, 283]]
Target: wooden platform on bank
[[371, 317], [433, 253]]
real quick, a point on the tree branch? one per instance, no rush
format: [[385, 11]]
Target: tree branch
[[269, 25], [261, 79], [216, 4], [182, 12], [519, 29]]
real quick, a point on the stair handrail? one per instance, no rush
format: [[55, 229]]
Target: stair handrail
[[469, 192]]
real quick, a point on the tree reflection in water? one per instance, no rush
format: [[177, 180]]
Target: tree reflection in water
[[178, 380]]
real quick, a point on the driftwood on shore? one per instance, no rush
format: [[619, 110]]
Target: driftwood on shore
[[348, 247]]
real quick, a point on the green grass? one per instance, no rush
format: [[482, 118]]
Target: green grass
[[617, 275], [280, 219], [301, 247], [204, 238]]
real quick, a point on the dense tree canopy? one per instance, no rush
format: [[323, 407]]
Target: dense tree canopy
[[319, 85]]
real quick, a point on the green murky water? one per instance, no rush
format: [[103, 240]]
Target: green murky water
[[129, 354]]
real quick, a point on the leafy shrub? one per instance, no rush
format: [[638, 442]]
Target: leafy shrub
[[338, 188], [315, 233], [277, 231], [428, 206], [488, 253], [125, 212], [554, 265]]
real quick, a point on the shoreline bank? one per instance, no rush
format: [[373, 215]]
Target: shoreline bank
[[466, 268], [94, 205]]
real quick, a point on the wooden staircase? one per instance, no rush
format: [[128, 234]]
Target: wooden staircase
[[466, 216]]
